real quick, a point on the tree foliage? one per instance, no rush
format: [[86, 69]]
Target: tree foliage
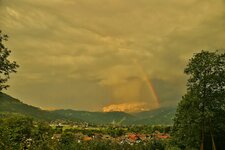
[[6, 66], [200, 114], [21, 132]]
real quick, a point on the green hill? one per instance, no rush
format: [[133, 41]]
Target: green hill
[[159, 116], [96, 117], [162, 116], [9, 104]]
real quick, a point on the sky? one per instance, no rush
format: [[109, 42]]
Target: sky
[[107, 55]]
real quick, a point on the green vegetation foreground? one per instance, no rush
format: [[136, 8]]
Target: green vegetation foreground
[[200, 121], [19, 133]]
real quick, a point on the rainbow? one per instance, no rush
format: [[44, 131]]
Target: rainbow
[[150, 85]]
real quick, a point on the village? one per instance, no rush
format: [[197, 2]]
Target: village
[[119, 134]]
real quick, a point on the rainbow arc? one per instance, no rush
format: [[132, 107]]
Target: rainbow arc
[[149, 83]]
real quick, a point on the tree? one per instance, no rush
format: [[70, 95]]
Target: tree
[[6, 66], [67, 142], [14, 131], [41, 136], [200, 114]]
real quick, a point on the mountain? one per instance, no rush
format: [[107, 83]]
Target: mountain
[[162, 116], [96, 117], [159, 116], [9, 104]]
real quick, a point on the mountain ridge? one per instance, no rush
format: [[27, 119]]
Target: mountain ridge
[[162, 116]]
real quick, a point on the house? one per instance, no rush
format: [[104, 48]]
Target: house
[[159, 135], [56, 136], [87, 138], [163, 136], [134, 138]]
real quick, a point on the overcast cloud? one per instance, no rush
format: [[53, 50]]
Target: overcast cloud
[[83, 54]]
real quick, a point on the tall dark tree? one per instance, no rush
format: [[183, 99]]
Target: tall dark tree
[[6, 66], [200, 115]]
